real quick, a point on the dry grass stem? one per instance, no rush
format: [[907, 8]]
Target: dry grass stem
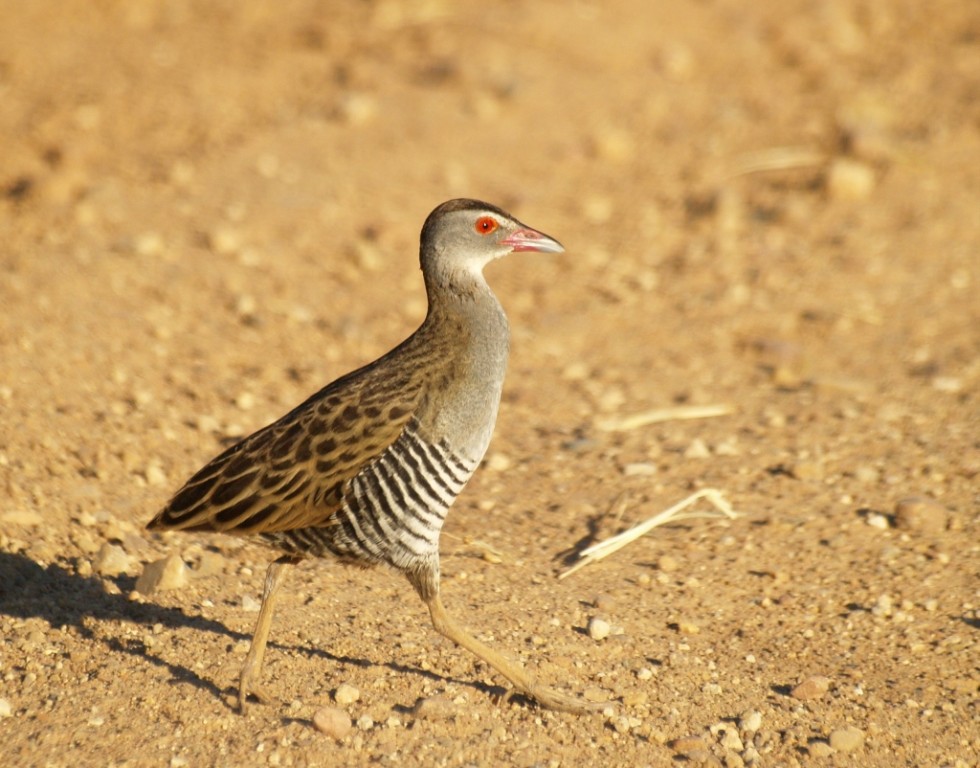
[[637, 420], [677, 512], [778, 159], [486, 551]]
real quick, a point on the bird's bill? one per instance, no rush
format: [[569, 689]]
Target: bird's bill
[[528, 239]]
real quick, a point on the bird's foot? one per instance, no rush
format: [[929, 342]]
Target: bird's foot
[[247, 688], [547, 698]]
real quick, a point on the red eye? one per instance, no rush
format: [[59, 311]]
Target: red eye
[[486, 224]]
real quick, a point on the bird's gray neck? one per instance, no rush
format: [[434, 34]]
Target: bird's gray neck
[[475, 341]]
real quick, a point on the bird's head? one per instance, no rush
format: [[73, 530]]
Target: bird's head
[[462, 236]]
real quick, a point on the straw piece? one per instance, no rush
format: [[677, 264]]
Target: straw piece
[[637, 420], [677, 512]]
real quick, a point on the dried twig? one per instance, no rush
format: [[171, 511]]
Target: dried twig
[[677, 512], [637, 420]]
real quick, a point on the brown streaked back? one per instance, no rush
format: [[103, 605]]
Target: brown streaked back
[[294, 473]]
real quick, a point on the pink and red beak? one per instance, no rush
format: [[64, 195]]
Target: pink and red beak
[[527, 239]]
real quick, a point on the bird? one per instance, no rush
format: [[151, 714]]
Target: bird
[[365, 470]]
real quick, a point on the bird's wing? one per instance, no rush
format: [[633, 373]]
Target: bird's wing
[[294, 473]]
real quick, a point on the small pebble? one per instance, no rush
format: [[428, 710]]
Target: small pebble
[[947, 384], [688, 744], [433, 708], [750, 721], [149, 244], [357, 108], [621, 724], [614, 145], [85, 518], [597, 209], [225, 240], [599, 629], [734, 760], [346, 694], [332, 722], [667, 564], [114, 530], [697, 450], [5, 709], [154, 474], [883, 606], [245, 401], [499, 462], [731, 740], [85, 541], [250, 604], [168, 573], [847, 739], [576, 371], [635, 698], [640, 469], [878, 521], [920, 515], [819, 748], [850, 180], [807, 470], [595, 694], [112, 560], [365, 722], [26, 517], [866, 474], [811, 688], [604, 602], [211, 564], [687, 627]]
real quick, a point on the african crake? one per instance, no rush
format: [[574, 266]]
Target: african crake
[[365, 470]]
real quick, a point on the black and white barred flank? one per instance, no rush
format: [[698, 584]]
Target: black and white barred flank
[[393, 509]]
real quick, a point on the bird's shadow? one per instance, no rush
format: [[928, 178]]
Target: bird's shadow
[[62, 598]]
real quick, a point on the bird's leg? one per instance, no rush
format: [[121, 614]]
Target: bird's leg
[[427, 585], [248, 681]]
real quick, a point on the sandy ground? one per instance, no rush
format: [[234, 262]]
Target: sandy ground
[[208, 211]]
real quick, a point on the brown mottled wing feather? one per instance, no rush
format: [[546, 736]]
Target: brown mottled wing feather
[[294, 473]]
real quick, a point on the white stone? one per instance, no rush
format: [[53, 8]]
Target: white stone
[[168, 573], [346, 694], [599, 629], [112, 560]]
